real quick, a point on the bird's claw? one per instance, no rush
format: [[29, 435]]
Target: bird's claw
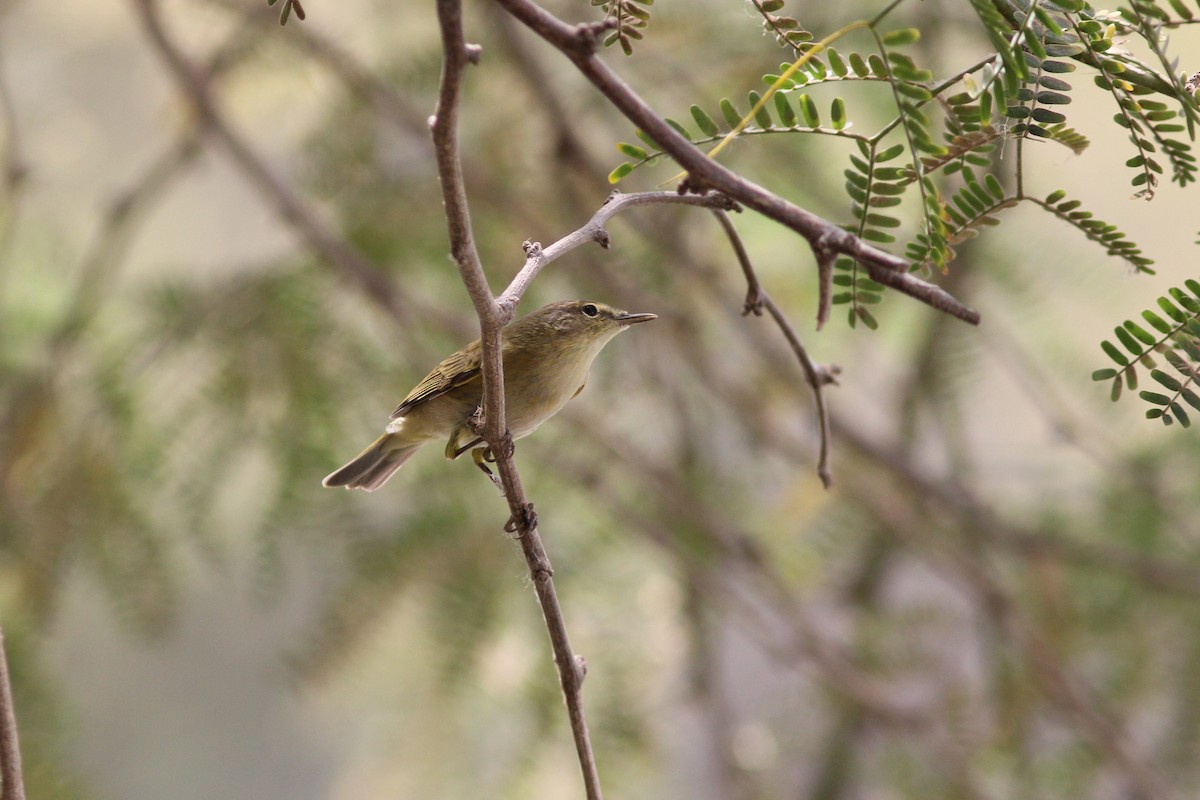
[[527, 521]]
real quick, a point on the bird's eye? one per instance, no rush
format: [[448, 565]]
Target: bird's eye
[[590, 310]]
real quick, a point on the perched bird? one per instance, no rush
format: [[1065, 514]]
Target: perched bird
[[547, 355]]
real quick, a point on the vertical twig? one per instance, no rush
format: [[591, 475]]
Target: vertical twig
[[493, 316], [12, 785], [816, 375]]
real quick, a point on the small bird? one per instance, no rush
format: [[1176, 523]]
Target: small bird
[[547, 355]]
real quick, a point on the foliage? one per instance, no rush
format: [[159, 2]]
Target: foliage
[[1175, 339], [945, 131]]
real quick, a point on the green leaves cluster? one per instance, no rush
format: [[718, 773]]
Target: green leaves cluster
[[1103, 233], [1175, 338], [944, 137], [783, 114]]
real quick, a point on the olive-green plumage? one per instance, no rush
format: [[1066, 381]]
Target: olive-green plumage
[[547, 355]]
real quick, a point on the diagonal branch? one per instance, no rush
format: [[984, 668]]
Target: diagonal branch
[[579, 44], [492, 318]]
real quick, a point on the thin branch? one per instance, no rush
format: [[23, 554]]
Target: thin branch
[[816, 375], [579, 44], [492, 318], [12, 785], [537, 257]]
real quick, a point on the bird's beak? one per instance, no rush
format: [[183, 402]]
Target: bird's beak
[[633, 319]]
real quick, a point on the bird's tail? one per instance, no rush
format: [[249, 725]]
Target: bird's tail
[[371, 468]]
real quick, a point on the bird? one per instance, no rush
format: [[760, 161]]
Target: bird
[[547, 355]]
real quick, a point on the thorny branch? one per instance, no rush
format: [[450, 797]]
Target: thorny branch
[[457, 54]]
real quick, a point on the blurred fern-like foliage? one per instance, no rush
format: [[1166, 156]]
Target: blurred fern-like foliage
[[944, 144], [203, 404]]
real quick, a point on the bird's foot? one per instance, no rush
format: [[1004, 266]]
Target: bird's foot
[[527, 522]]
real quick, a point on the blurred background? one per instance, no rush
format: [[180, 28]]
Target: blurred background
[[203, 311]]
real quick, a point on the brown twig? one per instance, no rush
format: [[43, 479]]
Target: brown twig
[[816, 375], [457, 54], [537, 257], [12, 785], [579, 44]]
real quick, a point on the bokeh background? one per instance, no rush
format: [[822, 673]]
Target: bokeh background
[[998, 599]]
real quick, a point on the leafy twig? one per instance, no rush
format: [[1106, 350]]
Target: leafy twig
[[579, 42]]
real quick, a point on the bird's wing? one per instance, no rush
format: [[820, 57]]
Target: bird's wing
[[457, 370]]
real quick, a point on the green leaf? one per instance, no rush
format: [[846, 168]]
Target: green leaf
[[1111, 350], [762, 118], [730, 112], [704, 122], [1171, 310], [1180, 415], [808, 110], [1141, 333], [787, 117], [620, 172], [1104, 374], [837, 114], [889, 153], [836, 63], [1128, 341], [631, 150], [1053, 98], [1156, 322], [867, 318], [859, 66], [993, 185], [1154, 397], [1166, 380], [901, 37], [1048, 117]]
